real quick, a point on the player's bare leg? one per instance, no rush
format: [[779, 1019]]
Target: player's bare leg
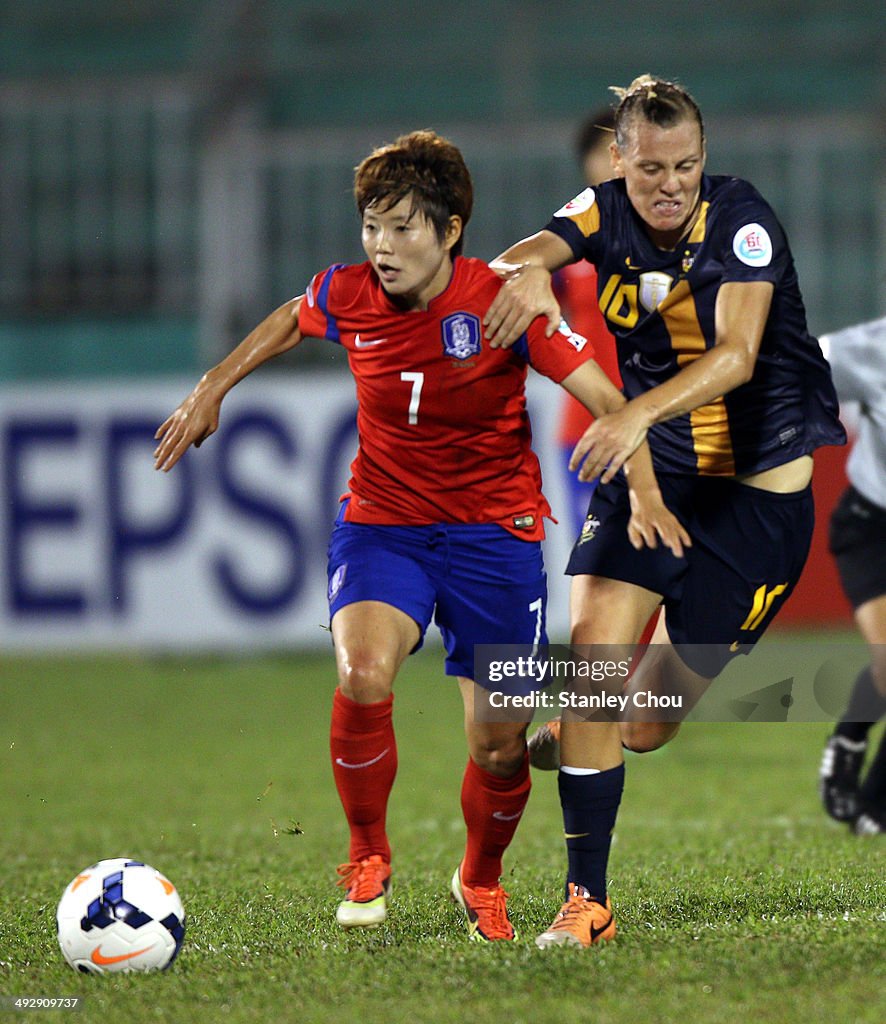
[[498, 747], [372, 639], [871, 620], [608, 612], [661, 672], [494, 792]]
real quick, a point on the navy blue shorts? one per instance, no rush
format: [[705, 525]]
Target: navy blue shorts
[[749, 547], [481, 584]]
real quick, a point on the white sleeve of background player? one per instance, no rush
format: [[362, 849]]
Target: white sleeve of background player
[[858, 360]]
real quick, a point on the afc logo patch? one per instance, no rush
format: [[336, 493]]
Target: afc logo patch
[[583, 201], [461, 335], [753, 246]]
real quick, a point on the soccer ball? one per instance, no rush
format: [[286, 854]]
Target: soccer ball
[[120, 915]]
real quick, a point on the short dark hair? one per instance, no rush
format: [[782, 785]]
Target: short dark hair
[[594, 131], [426, 167], [657, 101]]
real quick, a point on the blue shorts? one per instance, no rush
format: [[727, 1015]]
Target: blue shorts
[[749, 547], [481, 584]]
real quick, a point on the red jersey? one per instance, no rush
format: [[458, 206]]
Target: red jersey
[[576, 286], [444, 432]]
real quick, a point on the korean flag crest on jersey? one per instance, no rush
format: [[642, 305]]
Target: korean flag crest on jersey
[[461, 335]]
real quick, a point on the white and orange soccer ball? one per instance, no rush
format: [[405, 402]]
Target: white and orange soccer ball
[[120, 915]]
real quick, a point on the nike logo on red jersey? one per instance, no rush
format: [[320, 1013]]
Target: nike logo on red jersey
[[360, 343]]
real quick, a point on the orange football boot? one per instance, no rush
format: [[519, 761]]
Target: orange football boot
[[582, 921], [486, 909], [544, 746], [368, 885]]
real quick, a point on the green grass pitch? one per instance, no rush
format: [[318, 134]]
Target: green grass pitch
[[735, 898]]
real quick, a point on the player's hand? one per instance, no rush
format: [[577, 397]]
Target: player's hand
[[608, 443], [526, 294], [651, 520], [191, 423]]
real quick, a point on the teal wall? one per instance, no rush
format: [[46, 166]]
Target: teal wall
[[398, 65], [89, 348], [339, 62]]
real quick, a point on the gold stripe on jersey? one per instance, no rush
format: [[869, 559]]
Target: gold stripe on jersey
[[709, 423], [588, 221], [700, 226]]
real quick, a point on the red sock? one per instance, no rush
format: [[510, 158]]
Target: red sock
[[364, 763], [492, 807]]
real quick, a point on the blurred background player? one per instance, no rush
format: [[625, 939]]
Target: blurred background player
[[858, 542], [697, 281], [575, 286], [444, 513]]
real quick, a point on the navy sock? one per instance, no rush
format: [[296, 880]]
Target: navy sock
[[590, 806], [866, 706]]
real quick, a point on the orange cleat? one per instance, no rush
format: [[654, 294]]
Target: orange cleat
[[486, 909], [368, 885], [582, 921], [544, 747]]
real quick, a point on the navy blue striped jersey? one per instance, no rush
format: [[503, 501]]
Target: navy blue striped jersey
[[660, 307]]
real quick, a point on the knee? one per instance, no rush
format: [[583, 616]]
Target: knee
[[365, 678], [643, 737], [501, 757]]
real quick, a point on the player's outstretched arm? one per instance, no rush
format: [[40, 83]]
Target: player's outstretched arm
[[740, 318], [526, 269], [197, 417], [651, 520]]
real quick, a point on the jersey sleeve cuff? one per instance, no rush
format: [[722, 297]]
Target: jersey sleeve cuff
[[563, 228]]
